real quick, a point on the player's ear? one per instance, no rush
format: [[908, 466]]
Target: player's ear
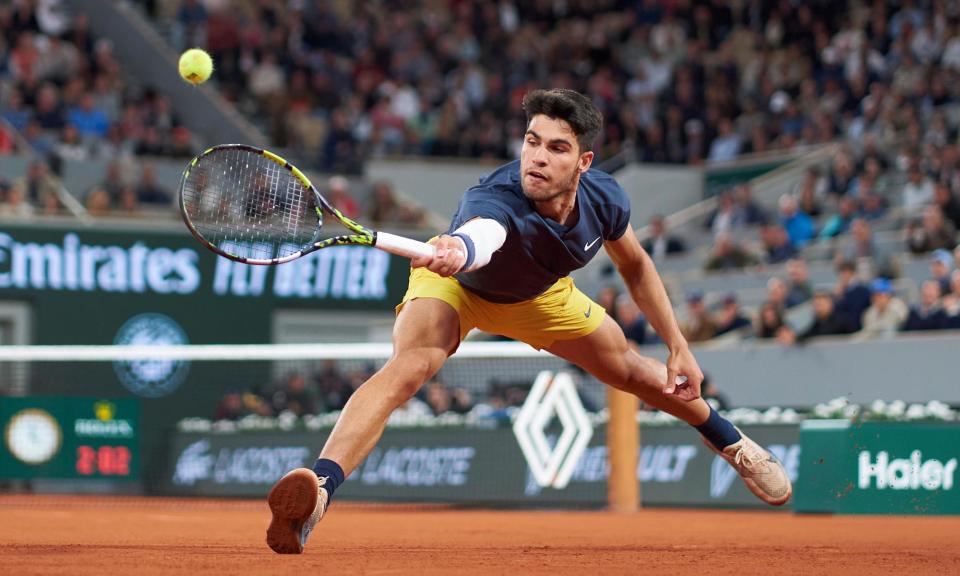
[[586, 159]]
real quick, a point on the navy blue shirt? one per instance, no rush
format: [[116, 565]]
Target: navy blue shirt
[[538, 251]]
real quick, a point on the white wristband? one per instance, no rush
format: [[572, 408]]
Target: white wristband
[[481, 237]]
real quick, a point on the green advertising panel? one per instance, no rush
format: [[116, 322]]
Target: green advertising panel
[[470, 466], [97, 286], [76, 438], [718, 180], [879, 468]]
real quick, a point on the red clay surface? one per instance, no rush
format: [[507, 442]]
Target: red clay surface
[[147, 536]]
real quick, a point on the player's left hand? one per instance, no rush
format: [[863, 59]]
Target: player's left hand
[[683, 375], [448, 259]]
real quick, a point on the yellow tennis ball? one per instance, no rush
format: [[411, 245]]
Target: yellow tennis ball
[[195, 66]]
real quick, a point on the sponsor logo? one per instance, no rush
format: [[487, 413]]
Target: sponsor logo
[[723, 475], [589, 311], [658, 464], [341, 272], [74, 266], [103, 425], [151, 378], [253, 465], [33, 436], [911, 473], [589, 245], [417, 466], [552, 465]]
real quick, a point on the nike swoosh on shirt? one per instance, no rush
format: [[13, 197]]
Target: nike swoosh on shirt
[[590, 244]]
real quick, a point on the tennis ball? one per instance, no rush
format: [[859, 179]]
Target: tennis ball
[[195, 66]]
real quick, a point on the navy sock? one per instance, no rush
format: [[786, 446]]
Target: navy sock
[[719, 431], [332, 471]]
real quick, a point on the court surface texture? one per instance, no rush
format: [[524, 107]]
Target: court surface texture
[[146, 536]]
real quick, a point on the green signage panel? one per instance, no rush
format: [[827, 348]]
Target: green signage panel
[[470, 465], [77, 438], [879, 468]]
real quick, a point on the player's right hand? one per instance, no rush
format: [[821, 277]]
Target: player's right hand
[[448, 259]]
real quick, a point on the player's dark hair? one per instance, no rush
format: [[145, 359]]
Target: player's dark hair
[[570, 106]]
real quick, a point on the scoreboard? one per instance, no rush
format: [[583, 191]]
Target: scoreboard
[[72, 438]]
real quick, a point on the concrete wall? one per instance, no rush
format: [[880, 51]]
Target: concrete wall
[[912, 368]]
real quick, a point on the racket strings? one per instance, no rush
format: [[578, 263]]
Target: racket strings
[[249, 206]]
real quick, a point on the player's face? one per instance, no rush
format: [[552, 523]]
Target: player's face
[[551, 161]]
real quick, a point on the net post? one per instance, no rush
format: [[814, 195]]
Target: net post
[[623, 449]]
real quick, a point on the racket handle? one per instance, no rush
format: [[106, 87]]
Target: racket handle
[[401, 246]]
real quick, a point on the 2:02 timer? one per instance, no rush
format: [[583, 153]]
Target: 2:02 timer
[[103, 460]]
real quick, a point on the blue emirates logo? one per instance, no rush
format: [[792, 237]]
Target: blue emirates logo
[[151, 378]]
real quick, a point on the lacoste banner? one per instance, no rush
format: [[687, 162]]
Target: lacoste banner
[[471, 465], [879, 468]]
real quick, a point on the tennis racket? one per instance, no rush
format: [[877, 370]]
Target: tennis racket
[[252, 206]]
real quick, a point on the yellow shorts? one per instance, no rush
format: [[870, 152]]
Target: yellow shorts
[[562, 312]]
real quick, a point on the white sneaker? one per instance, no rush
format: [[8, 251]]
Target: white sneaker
[[761, 472], [297, 502]]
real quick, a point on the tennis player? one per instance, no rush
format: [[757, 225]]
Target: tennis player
[[504, 268]]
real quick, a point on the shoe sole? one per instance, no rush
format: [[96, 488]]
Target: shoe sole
[[292, 501], [750, 484]]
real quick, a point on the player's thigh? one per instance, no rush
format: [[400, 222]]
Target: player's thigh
[[605, 354], [427, 330]]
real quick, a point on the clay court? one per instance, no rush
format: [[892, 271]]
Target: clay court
[[96, 535]]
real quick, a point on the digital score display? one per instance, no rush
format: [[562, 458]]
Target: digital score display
[[103, 460], [76, 438]]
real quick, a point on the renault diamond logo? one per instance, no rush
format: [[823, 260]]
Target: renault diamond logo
[[552, 395]]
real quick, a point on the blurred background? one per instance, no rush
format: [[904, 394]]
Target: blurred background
[[792, 167]]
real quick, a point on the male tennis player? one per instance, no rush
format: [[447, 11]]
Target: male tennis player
[[503, 267]]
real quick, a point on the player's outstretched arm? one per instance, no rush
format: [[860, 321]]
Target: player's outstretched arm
[[645, 286], [468, 248]]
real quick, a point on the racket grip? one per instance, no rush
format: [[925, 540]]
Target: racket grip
[[401, 246]]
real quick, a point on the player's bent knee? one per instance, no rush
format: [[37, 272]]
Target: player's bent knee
[[410, 370]]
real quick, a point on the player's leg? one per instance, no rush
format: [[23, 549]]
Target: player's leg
[[605, 354], [427, 330]]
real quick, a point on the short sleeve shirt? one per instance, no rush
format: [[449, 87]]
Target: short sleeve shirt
[[538, 251]]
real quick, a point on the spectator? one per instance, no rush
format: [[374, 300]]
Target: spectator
[[98, 202], [236, 405], [860, 246], [727, 218], [947, 202], [798, 225], [777, 293], [333, 386], [730, 318], [917, 192], [437, 397], [840, 222], [386, 208], [726, 255], [149, 191], [776, 244], [713, 396], [886, 313], [752, 213], [15, 203], [607, 298], [951, 303], [660, 244], [630, 319], [827, 321], [928, 314], [38, 185], [769, 321], [726, 146], [699, 326], [799, 289], [340, 197], [461, 402], [852, 296], [811, 192], [933, 233], [293, 396], [941, 264], [88, 119]]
